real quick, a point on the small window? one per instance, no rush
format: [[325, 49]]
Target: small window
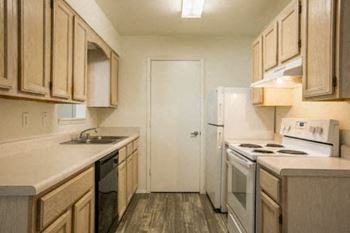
[[71, 111]]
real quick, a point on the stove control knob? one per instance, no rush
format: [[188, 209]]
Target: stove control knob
[[319, 130], [312, 129]]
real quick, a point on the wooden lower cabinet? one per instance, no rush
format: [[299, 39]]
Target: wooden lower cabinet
[[135, 171], [122, 189], [129, 177], [270, 213], [84, 213], [62, 225]]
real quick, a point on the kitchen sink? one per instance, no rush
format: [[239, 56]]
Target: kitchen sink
[[96, 140]]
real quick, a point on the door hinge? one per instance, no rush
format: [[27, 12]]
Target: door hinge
[[280, 219], [50, 85], [299, 44], [300, 8], [52, 3], [335, 81]]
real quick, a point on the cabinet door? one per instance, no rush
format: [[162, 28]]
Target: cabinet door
[[84, 214], [135, 171], [62, 50], [129, 178], [122, 193], [289, 32], [269, 215], [5, 32], [114, 79], [257, 70], [34, 42], [270, 45], [80, 60], [61, 225], [319, 27]]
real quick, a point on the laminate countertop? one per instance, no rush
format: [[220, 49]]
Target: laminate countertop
[[306, 166], [31, 172]]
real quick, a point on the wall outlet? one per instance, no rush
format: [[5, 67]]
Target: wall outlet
[[25, 119], [44, 119]]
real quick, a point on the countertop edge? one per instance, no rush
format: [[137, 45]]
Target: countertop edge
[[34, 190]]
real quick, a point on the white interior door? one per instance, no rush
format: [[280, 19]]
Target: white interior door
[[175, 114]]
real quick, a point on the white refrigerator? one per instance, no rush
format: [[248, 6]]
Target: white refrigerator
[[231, 115]]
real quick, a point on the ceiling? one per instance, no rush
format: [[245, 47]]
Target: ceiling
[[163, 17]]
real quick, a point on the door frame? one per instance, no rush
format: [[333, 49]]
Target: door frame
[[148, 120]]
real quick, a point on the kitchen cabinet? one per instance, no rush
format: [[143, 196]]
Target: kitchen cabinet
[[270, 215], [285, 201], [80, 60], [114, 79], [122, 189], [34, 46], [326, 34], [129, 178], [84, 214], [135, 171], [257, 69], [62, 52], [6, 8], [289, 44], [270, 46], [62, 225]]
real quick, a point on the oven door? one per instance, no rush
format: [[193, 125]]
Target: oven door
[[241, 189]]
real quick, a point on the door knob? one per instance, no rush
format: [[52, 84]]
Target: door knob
[[195, 134]]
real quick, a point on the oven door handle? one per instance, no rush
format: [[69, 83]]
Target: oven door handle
[[240, 160]]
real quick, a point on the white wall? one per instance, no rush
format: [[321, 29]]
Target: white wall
[[226, 64], [95, 17]]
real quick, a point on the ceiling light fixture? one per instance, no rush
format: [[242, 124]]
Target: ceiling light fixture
[[192, 8]]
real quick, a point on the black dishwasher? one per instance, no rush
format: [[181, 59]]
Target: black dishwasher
[[106, 185]]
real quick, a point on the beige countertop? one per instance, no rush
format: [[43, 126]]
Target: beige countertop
[[31, 172], [306, 166]]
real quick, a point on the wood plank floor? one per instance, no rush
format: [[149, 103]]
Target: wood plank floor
[[171, 213]]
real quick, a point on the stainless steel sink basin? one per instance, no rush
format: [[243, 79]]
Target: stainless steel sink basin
[[97, 140]]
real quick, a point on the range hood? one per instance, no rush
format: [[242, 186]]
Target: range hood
[[284, 76]]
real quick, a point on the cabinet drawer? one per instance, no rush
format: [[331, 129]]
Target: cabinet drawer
[[270, 184], [60, 199], [130, 148], [122, 155]]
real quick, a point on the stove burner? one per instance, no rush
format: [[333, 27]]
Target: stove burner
[[274, 145], [292, 152], [263, 151], [247, 145]]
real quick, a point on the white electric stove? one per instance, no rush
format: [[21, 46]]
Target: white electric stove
[[300, 137]]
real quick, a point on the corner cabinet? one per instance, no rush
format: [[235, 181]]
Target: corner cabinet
[[62, 52], [257, 70], [114, 79], [327, 52], [80, 60], [6, 20], [34, 46]]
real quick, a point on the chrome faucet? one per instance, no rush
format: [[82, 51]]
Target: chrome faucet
[[86, 130]]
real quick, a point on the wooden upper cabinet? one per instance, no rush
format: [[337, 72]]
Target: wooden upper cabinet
[[61, 225], [83, 212], [289, 32], [326, 32], [34, 42], [114, 79], [62, 50], [5, 33], [80, 60], [270, 46], [257, 70]]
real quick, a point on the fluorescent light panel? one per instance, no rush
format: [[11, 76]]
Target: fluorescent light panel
[[192, 8]]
